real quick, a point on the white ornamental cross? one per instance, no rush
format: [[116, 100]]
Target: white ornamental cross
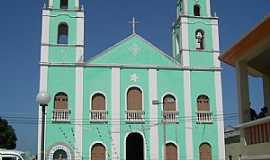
[[134, 77], [135, 49]]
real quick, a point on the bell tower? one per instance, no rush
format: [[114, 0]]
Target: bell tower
[[62, 32], [195, 34]]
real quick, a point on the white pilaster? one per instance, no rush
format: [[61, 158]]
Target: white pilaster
[[220, 119], [215, 38], [116, 113], [188, 113], [78, 112], [185, 3], [77, 3], [208, 8], [43, 83], [218, 91], [185, 42], [79, 87], [153, 110], [243, 91], [80, 38]]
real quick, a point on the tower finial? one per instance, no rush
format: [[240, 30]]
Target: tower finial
[[133, 22]]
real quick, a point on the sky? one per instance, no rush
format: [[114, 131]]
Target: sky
[[106, 24]]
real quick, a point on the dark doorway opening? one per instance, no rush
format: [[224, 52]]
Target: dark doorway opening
[[134, 147]]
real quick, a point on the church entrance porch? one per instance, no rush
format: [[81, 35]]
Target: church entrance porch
[[135, 147]]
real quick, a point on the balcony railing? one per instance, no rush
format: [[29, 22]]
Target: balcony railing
[[170, 116], [257, 131], [135, 116], [204, 117], [98, 116], [61, 115]]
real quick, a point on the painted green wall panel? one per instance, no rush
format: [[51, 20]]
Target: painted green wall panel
[[61, 80], [203, 83], [171, 82], [96, 80]]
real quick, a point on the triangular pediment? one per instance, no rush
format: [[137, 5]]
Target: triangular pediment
[[134, 50]]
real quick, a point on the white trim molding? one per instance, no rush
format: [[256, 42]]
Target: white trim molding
[[79, 113], [185, 42], [153, 111], [115, 113], [218, 90], [59, 147], [43, 82], [188, 113]]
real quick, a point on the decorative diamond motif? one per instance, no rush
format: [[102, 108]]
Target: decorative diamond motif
[[135, 49], [134, 77]]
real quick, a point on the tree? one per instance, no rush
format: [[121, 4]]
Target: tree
[[7, 135]]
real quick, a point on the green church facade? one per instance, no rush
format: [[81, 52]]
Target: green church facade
[[132, 101]]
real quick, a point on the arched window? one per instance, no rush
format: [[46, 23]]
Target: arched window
[[197, 10], [98, 152], [171, 151], [61, 101], [205, 152], [60, 154], [203, 103], [64, 4], [134, 99], [62, 33], [199, 35], [98, 102], [169, 103]]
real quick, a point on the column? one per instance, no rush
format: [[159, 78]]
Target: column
[[116, 113], [153, 110], [266, 91], [243, 91]]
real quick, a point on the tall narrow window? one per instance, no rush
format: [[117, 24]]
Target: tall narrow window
[[61, 101], [205, 152], [171, 151], [62, 34], [134, 99], [135, 111], [64, 4], [199, 35], [169, 103], [98, 152], [98, 111], [197, 10], [203, 103], [98, 102], [61, 112]]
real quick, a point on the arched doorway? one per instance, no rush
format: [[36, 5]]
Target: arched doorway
[[134, 147]]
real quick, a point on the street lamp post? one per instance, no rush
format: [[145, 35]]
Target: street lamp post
[[42, 99]]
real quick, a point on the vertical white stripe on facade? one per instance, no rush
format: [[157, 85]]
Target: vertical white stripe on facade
[[43, 82], [188, 113], [185, 42], [77, 3], [185, 7], [115, 92], [80, 38], [153, 110], [78, 112], [215, 37], [218, 91], [79, 89], [220, 120], [208, 8]]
